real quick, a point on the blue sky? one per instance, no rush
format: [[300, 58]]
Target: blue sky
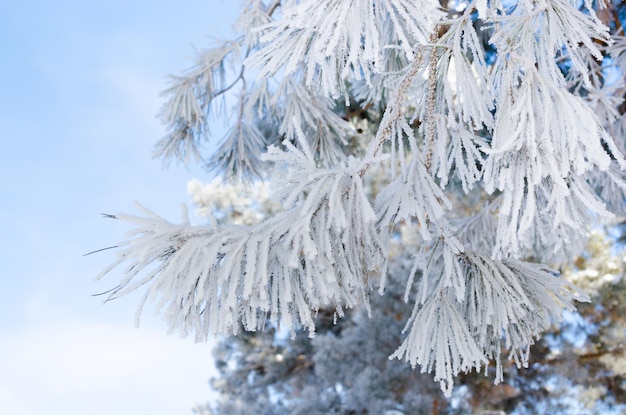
[[77, 123]]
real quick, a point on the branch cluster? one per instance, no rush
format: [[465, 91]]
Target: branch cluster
[[510, 109]]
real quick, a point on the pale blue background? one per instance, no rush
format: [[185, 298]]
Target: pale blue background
[[78, 98]]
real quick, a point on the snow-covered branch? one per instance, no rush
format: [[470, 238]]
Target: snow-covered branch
[[492, 134]]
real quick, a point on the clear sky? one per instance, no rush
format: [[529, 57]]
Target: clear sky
[[79, 95]]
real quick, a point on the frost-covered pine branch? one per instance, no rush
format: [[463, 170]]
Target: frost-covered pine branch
[[318, 252], [191, 101], [480, 136]]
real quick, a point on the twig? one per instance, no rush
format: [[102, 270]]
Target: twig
[[273, 8], [430, 102], [392, 113]]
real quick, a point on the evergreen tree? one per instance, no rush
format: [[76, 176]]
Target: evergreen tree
[[447, 155]]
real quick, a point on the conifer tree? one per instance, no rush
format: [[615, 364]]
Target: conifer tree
[[458, 150]]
